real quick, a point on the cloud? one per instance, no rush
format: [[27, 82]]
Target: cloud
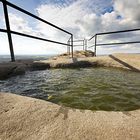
[[24, 45], [87, 17], [19, 24], [70, 16], [2, 25], [83, 18], [129, 10]]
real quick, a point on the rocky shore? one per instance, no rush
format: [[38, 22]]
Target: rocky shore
[[24, 118], [124, 61]]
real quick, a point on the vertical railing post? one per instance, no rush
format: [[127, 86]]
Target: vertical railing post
[[68, 47], [72, 45], [86, 44], [8, 30], [83, 45], [95, 45]]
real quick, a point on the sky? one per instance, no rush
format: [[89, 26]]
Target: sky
[[83, 18]]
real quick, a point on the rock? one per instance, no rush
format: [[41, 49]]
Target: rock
[[79, 54], [24, 118], [78, 64], [19, 70], [39, 66], [54, 58], [8, 70], [123, 61]]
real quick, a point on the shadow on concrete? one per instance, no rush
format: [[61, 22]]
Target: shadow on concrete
[[124, 63], [65, 111]]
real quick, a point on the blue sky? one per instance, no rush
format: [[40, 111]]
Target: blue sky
[[103, 6], [83, 18], [29, 5]]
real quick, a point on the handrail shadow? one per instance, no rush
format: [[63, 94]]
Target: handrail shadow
[[124, 63]]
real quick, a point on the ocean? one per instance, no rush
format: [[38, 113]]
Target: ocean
[[7, 58]]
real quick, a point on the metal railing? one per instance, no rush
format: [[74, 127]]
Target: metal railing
[[10, 32], [70, 43], [107, 33], [81, 43]]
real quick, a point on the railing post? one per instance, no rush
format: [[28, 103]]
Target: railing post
[[8, 30], [95, 45], [68, 47], [83, 45], [72, 45]]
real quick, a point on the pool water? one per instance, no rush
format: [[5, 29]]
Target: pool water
[[85, 88]]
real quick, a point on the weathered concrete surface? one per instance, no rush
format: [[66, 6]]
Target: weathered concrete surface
[[24, 118], [125, 61]]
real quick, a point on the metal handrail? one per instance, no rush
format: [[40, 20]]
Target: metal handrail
[[80, 45], [114, 32], [9, 31], [70, 40], [133, 42]]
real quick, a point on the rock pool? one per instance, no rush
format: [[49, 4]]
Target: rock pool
[[85, 88]]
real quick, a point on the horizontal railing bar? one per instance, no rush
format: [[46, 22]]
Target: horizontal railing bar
[[114, 32], [91, 46], [121, 43], [3, 30], [92, 37], [134, 42], [78, 40], [34, 16], [34, 37], [77, 45]]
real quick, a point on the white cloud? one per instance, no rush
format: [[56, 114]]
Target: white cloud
[[24, 45], [4, 48], [19, 24], [129, 10], [83, 18]]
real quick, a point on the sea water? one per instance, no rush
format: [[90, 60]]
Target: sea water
[[84, 88]]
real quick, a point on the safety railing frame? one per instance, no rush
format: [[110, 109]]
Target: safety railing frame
[[107, 33], [83, 43], [10, 32]]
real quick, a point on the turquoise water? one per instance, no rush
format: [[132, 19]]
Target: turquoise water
[[89, 88]]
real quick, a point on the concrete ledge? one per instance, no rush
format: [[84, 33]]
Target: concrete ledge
[[123, 61], [24, 118]]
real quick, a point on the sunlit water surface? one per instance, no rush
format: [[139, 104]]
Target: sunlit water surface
[[94, 88]]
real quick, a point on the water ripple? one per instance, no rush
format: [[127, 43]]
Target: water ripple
[[94, 89]]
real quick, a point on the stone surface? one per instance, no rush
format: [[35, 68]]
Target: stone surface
[[39, 66], [24, 118], [124, 61], [79, 54], [11, 69]]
